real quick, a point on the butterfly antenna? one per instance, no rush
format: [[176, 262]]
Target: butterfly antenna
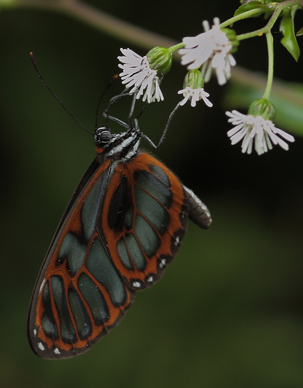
[[54, 95], [101, 98]]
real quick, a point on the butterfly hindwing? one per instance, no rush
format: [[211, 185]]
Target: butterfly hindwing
[[144, 219]]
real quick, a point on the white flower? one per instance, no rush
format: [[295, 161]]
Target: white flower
[[138, 75], [194, 95], [258, 130], [212, 50]]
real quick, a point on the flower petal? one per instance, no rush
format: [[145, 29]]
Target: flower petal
[[255, 130], [211, 48], [138, 76], [194, 95]]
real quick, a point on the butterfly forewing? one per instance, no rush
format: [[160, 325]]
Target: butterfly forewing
[[123, 226], [79, 295]]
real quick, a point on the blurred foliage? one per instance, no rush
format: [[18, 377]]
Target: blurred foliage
[[228, 312]]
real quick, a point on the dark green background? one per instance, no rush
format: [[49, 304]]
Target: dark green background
[[228, 312]]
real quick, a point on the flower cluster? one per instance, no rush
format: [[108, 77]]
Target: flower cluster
[[210, 51]]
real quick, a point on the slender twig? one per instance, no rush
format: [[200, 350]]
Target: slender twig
[[96, 19]]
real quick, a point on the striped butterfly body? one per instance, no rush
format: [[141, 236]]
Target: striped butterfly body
[[123, 226]]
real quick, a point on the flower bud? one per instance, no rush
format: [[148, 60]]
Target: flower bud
[[262, 107], [193, 79], [160, 59], [232, 37]]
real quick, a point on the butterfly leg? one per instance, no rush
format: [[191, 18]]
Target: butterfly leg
[[112, 102], [164, 132]]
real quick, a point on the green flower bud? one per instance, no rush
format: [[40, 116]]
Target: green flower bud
[[160, 59], [193, 79], [232, 37], [262, 107]]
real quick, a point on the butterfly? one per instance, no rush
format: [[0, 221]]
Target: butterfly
[[121, 229]]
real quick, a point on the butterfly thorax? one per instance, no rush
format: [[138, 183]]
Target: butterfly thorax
[[123, 146]]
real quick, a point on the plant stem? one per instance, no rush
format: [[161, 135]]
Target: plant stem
[[270, 76], [241, 16], [175, 47], [278, 9]]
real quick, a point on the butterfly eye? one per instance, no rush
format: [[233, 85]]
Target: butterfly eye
[[102, 135]]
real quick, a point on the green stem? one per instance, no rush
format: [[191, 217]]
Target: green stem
[[241, 16], [175, 47], [270, 76], [263, 30], [278, 9]]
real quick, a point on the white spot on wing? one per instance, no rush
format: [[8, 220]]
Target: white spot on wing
[[56, 351], [177, 241], [150, 279], [35, 332], [136, 284], [162, 263], [41, 346]]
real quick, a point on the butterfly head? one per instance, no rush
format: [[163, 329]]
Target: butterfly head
[[123, 146], [102, 136]]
